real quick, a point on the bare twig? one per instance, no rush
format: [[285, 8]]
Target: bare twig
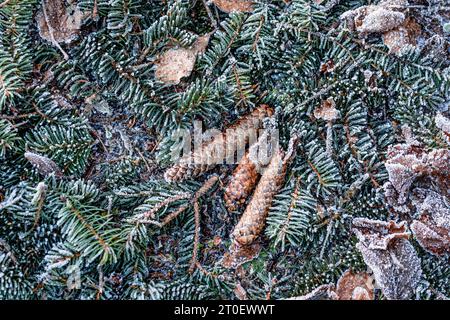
[[4, 3], [204, 188]]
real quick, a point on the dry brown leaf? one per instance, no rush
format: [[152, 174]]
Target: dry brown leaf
[[355, 286], [234, 5], [59, 23], [402, 36], [327, 67], [238, 255], [175, 64], [432, 238], [327, 110], [432, 228]]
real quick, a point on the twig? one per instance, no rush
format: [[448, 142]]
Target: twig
[[194, 260], [204, 188], [151, 213], [4, 3]]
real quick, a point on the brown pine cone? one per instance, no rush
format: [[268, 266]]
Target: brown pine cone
[[253, 219], [201, 161], [241, 183]]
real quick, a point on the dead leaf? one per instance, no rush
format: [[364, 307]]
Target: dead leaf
[[59, 23], [238, 255], [174, 65], [234, 5], [402, 36], [375, 18], [387, 252], [240, 292], [432, 238], [327, 110], [355, 286], [178, 63], [327, 67], [432, 228]]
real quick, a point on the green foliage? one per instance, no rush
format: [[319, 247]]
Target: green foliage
[[107, 122]]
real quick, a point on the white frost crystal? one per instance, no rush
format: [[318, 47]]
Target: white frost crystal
[[391, 257]]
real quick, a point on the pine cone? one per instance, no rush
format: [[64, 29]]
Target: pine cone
[[241, 184], [246, 175], [253, 219], [201, 161]]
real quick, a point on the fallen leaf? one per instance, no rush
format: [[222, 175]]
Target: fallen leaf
[[327, 110], [387, 252], [234, 5], [59, 23], [178, 63], [432, 238], [355, 286], [375, 18], [402, 36], [240, 292]]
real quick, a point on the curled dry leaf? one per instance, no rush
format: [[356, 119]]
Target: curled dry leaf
[[392, 258], [404, 165], [432, 228], [234, 5], [355, 286], [432, 238], [410, 163], [177, 63], [44, 165], [59, 23], [327, 110]]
